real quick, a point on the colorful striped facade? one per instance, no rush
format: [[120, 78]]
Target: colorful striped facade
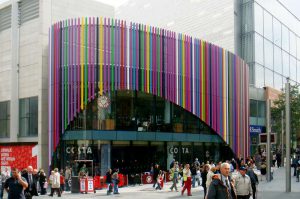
[[92, 56]]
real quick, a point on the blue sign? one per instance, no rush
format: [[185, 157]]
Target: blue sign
[[255, 129]]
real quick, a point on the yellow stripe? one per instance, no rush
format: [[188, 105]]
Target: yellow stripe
[[101, 57], [81, 59]]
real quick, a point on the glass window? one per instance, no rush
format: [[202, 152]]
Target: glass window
[[285, 38], [253, 108], [259, 76], [285, 64], [268, 29], [4, 119], [298, 48], [277, 81], [251, 74], [258, 18], [293, 68], [259, 53], [261, 107], [293, 44], [277, 32], [268, 77], [298, 70], [277, 60], [28, 117], [268, 54]]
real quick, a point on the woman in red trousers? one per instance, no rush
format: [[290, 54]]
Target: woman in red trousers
[[187, 180]]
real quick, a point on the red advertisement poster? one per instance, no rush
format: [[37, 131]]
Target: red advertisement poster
[[18, 156]]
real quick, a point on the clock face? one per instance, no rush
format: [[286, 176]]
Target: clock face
[[103, 101]]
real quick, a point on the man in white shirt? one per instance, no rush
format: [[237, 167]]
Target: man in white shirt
[[243, 184]]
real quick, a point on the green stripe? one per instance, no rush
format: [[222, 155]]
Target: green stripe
[[86, 63]]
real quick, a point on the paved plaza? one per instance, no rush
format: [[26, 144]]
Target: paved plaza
[[272, 190]]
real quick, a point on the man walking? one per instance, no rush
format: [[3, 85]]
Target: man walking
[[15, 185], [221, 187], [32, 183], [253, 178], [243, 184], [174, 174]]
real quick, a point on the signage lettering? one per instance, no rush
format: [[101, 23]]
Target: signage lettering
[[80, 150], [175, 150]]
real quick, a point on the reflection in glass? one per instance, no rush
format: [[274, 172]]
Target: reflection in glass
[[277, 32], [259, 76], [137, 111], [268, 30], [259, 53], [277, 60], [285, 38], [268, 77], [258, 18], [277, 81], [293, 68], [268, 47], [293, 44], [285, 64]]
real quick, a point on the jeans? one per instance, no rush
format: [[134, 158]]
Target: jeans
[[174, 185], [1, 190], [116, 190], [193, 181]]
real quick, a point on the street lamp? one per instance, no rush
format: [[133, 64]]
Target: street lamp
[[288, 137]]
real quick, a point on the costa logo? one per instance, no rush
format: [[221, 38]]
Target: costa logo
[[149, 179]]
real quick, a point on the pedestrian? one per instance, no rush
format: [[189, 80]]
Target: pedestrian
[[194, 173], [242, 184], [187, 180], [62, 182], [253, 178], [209, 176], [174, 174], [155, 175], [67, 178], [278, 159], [4, 176], [221, 187], [108, 181], [16, 185], [31, 190], [55, 183], [204, 173], [115, 181], [273, 159], [43, 181]]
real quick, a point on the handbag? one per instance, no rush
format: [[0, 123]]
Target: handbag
[[45, 185]]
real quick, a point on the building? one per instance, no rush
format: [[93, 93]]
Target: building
[[24, 27], [265, 34], [127, 95]]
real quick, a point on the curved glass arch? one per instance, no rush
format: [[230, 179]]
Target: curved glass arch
[[138, 111]]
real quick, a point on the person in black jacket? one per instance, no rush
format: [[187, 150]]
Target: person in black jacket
[[109, 181], [155, 175], [42, 181], [30, 177]]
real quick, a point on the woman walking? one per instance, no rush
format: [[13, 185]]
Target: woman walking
[[42, 182], [187, 178], [204, 173], [174, 174]]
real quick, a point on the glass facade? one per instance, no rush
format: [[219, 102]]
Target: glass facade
[[276, 48], [28, 108], [137, 111], [4, 119]]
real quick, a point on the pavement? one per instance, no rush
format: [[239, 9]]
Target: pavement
[[266, 190]]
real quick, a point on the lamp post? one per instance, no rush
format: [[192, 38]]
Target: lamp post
[[288, 137], [268, 148]]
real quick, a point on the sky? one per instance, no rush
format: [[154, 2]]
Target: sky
[[292, 5]]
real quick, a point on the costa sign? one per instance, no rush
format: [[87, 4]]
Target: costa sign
[[79, 150], [175, 150]]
